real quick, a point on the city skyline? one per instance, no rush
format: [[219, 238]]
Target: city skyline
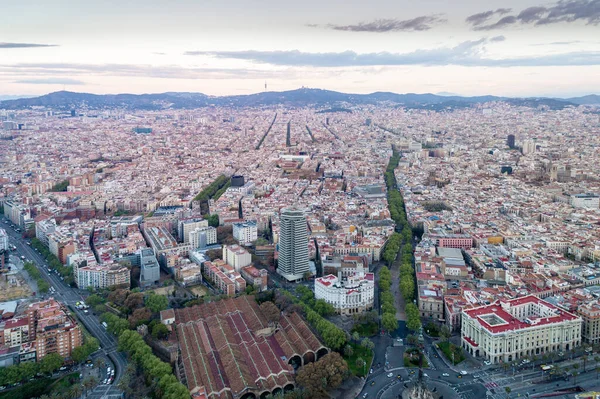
[[506, 48]]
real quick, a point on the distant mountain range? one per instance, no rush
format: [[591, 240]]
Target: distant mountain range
[[65, 100]]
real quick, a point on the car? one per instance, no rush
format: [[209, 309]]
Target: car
[[526, 361], [105, 381], [371, 371], [425, 375], [372, 383], [399, 376], [390, 375], [85, 311], [63, 368], [366, 394], [561, 354], [476, 376], [463, 372], [2, 388], [445, 375], [487, 362]]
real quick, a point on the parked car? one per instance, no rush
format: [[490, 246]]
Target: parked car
[[445, 375], [390, 375]]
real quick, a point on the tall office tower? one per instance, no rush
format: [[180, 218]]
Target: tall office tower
[[510, 141], [293, 244]]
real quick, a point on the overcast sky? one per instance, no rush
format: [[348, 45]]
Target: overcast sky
[[515, 48]]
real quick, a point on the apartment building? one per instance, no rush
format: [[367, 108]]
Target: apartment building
[[511, 329], [185, 227], [188, 275], [14, 332], [3, 240], [259, 278], [431, 303], [102, 276], [60, 246], [53, 329], [236, 256], [149, 267], [223, 277], [590, 313], [43, 228], [202, 237], [245, 232]]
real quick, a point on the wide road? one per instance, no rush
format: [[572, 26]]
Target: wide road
[[68, 295], [389, 376]]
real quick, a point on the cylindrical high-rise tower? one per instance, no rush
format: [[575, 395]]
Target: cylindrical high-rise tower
[[293, 244]]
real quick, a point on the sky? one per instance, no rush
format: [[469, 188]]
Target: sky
[[230, 47]]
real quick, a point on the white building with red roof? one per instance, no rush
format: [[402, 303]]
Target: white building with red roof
[[510, 329], [350, 295]]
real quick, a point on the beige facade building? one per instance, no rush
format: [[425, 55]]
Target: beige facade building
[[511, 329], [590, 313]]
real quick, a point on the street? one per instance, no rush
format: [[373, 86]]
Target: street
[[69, 296], [483, 382]]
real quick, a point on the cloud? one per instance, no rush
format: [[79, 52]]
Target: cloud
[[422, 23], [557, 43], [36, 71], [479, 18], [500, 38], [51, 81], [469, 53], [587, 11], [24, 45]]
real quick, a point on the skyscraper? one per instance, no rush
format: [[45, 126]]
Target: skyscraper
[[510, 141], [293, 244]]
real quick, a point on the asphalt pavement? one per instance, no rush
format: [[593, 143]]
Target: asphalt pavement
[[69, 296]]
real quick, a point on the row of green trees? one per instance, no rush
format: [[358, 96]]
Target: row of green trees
[[212, 189], [27, 370], [320, 306], [81, 353], [413, 320], [43, 285], [158, 374], [61, 186], [401, 243], [53, 262], [386, 298]]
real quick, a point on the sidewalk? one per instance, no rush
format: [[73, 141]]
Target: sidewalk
[[399, 299]]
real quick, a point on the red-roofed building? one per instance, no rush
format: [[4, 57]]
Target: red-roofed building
[[510, 329]]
